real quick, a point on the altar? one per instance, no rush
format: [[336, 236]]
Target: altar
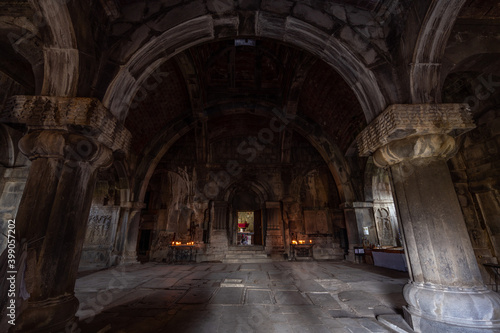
[[245, 238]]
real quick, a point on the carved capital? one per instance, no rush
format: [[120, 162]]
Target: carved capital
[[414, 148], [85, 116], [400, 121], [66, 146]]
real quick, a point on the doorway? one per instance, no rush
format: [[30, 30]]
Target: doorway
[[249, 228]]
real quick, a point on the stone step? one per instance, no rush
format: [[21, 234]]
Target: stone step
[[245, 252], [246, 256], [247, 261], [246, 248]]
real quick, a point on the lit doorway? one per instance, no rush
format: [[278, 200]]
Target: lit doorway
[[246, 228], [249, 228]]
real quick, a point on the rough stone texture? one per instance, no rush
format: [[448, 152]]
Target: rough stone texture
[[272, 297], [427, 205], [406, 120], [384, 52], [474, 171], [100, 237], [180, 191], [57, 113], [72, 177], [13, 182], [59, 188]]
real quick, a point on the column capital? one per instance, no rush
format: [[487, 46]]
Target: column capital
[[66, 146], [402, 121], [85, 116], [418, 150]]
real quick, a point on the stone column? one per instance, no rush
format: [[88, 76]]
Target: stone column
[[219, 240], [445, 292], [353, 235], [132, 234], [274, 232], [68, 140], [121, 234]]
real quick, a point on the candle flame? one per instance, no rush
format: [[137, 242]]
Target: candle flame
[[294, 242]]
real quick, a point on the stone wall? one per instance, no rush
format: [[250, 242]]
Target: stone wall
[[102, 225], [14, 166], [189, 201], [12, 183], [384, 209], [475, 170]]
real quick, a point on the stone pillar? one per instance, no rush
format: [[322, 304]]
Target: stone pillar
[[220, 215], [353, 235], [68, 140], [274, 232], [219, 240], [130, 246], [445, 292], [121, 233]]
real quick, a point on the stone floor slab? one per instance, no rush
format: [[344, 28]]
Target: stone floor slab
[[324, 300], [275, 297], [228, 296], [197, 296], [255, 296], [160, 283], [290, 297]]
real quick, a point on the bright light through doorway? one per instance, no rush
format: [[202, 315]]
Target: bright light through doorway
[[245, 228]]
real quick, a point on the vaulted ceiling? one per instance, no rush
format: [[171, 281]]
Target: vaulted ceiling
[[248, 72]]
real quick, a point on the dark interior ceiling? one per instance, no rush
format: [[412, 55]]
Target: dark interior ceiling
[[249, 77], [480, 10], [477, 29], [269, 74], [11, 62]]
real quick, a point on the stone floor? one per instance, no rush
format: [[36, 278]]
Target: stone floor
[[274, 297]]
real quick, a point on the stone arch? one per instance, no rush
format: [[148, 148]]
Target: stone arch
[[429, 50], [263, 192], [61, 65], [154, 153], [293, 31], [25, 41], [123, 179]]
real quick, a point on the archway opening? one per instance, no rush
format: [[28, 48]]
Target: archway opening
[[246, 228]]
